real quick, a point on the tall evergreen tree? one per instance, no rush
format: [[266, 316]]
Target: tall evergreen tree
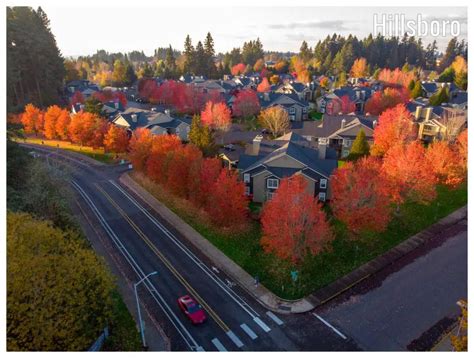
[[35, 68], [360, 147], [210, 53], [189, 55]]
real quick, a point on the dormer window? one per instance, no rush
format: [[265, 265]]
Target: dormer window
[[323, 184], [292, 110]]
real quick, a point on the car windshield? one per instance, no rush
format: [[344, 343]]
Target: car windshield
[[192, 308]]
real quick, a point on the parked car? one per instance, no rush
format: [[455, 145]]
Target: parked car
[[192, 309]]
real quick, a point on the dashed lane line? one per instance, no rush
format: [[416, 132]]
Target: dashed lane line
[[274, 318], [249, 331]]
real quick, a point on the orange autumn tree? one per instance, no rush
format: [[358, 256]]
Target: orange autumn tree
[[51, 117], [238, 69], [359, 68], [140, 147], [293, 222], [461, 149], [446, 163], [361, 196], [411, 174], [264, 86], [62, 124], [32, 119], [227, 203], [116, 139], [179, 169], [394, 127]]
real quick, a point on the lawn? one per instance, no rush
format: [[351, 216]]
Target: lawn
[[318, 271], [94, 153]]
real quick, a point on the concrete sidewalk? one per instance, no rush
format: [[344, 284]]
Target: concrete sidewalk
[[261, 293]]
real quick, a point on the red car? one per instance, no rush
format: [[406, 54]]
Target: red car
[[192, 309]]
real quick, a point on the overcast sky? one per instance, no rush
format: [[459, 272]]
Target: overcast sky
[[82, 31]]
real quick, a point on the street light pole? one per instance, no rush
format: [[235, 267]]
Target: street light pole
[[142, 329]]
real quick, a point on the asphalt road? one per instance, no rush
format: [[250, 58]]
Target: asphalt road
[[382, 313], [395, 308]]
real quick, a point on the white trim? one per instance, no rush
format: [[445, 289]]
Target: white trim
[[273, 186], [246, 177], [322, 196], [247, 190]]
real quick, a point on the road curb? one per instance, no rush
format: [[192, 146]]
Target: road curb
[[261, 293]]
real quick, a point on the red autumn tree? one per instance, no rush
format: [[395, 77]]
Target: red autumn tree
[[116, 139], [264, 86], [227, 204], [410, 173], [361, 196], [99, 131], [205, 175], [77, 97], [109, 96], [140, 147], [246, 104], [147, 88], [347, 106], [179, 169], [160, 155], [446, 163], [388, 98], [216, 116], [238, 69], [293, 222], [62, 124], [51, 117], [32, 119], [394, 127]]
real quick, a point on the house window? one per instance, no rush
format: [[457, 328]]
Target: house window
[[323, 183], [322, 196], [246, 178], [272, 183], [292, 110], [292, 118], [305, 109], [247, 190], [270, 195]]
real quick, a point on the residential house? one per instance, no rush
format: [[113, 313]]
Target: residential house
[[268, 162], [430, 88], [297, 109], [337, 132], [158, 123], [438, 122], [330, 103], [293, 87]]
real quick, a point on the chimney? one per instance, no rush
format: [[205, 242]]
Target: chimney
[[322, 150], [374, 123], [429, 110], [343, 123], [256, 144], [418, 112], [266, 96], [358, 94], [116, 105], [167, 111], [134, 118]]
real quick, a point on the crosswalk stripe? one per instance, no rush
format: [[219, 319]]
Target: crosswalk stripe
[[235, 339], [274, 318], [247, 330], [262, 324], [219, 345]]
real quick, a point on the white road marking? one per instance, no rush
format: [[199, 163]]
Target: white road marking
[[262, 324], [247, 330], [220, 347], [330, 326], [235, 339], [274, 318]]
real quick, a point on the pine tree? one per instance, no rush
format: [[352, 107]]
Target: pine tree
[[360, 147], [210, 53], [130, 76], [170, 64], [188, 55], [440, 97]]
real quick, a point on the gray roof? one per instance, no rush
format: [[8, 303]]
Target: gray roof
[[282, 99], [332, 124]]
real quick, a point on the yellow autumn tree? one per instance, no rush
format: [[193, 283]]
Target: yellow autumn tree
[[58, 291], [359, 68]]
